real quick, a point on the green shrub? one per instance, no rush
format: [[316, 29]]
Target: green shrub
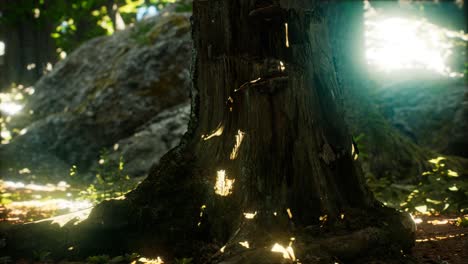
[[438, 190]]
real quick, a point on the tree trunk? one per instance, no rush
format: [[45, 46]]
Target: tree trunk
[[28, 50], [268, 121], [267, 158], [282, 97]]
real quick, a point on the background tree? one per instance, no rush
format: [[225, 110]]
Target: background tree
[[37, 33]]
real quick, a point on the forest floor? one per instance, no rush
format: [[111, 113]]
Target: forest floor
[[441, 239]]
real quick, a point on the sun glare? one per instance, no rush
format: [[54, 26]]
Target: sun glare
[[40, 203], [157, 260], [288, 252], [218, 132], [245, 244], [11, 185], [223, 185], [2, 48], [78, 217], [10, 108], [235, 150], [250, 215], [397, 43]]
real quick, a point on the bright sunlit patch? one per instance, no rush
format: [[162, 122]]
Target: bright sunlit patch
[[30, 66], [12, 186], [287, 35], [223, 185], [438, 222], [2, 48], [235, 150], [146, 12], [422, 209], [5, 134], [416, 220], [288, 252], [29, 90], [202, 209], [246, 84], [452, 173], [436, 160], [438, 238], [37, 12], [282, 67], [218, 132], [250, 215], [36, 205], [10, 108], [289, 213], [157, 260], [222, 249], [24, 171], [245, 244], [354, 153], [49, 205], [23, 131], [62, 220], [397, 43]]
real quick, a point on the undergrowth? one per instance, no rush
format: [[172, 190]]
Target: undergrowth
[[435, 191]]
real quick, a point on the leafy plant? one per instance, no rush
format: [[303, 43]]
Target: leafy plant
[[359, 140], [462, 221], [184, 261], [111, 182], [100, 259], [438, 190], [41, 255]]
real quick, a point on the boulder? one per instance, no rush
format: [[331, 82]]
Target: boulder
[[432, 113], [144, 149], [103, 92]]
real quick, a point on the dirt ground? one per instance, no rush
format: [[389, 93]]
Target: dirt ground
[[439, 240]]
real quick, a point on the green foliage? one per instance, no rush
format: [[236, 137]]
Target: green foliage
[[184, 6], [462, 221], [438, 190], [41, 255], [12, 123], [184, 261], [111, 182], [127, 258], [72, 22], [359, 140], [101, 259], [140, 34]]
